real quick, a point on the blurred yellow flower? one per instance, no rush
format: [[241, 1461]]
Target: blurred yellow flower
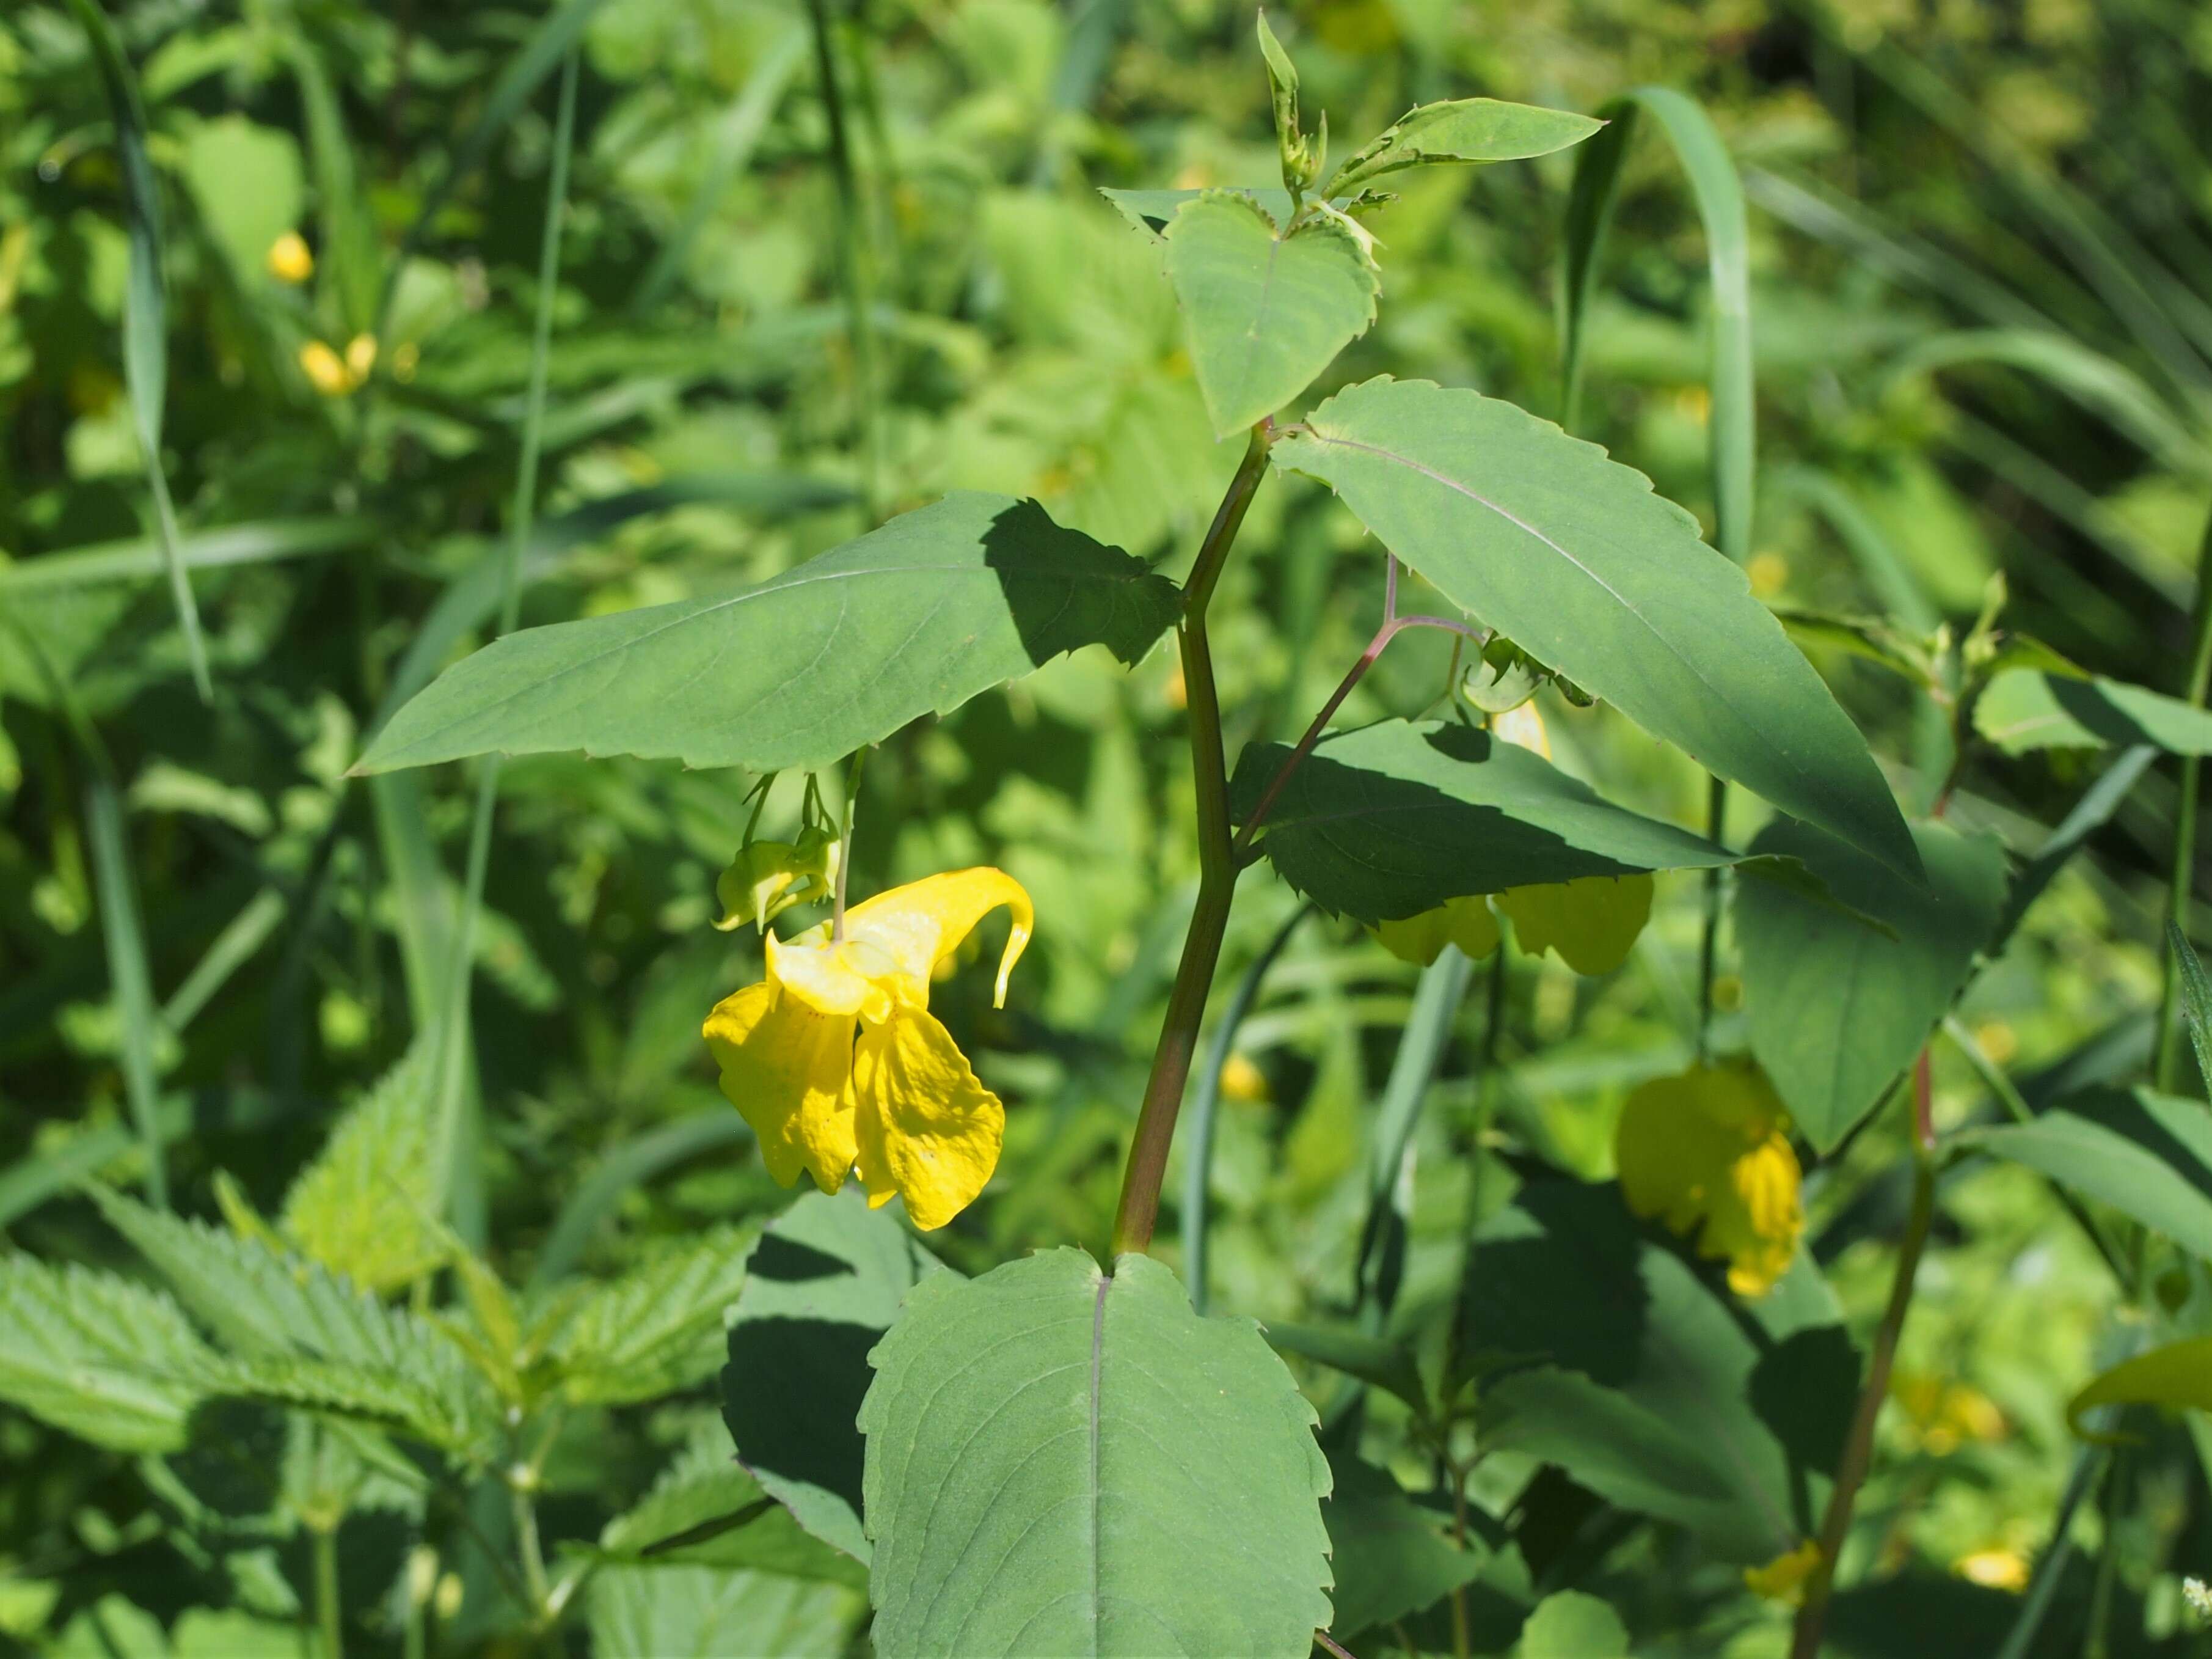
[[361, 356], [1242, 1080], [1995, 1569], [1942, 1414], [1524, 728], [289, 259], [324, 370], [901, 1103], [1707, 1153], [1592, 923], [1421, 939], [1783, 1579]]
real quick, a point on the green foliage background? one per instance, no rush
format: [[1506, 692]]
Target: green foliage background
[[1981, 268]]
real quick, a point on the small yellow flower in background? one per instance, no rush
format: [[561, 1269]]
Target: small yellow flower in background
[[1707, 1153], [1783, 1579], [1243, 1080], [1523, 727], [901, 1103], [1995, 1569], [289, 259], [324, 370], [1175, 692], [1591, 923], [1769, 573], [1942, 1414], [1421, 939], [361, 356]]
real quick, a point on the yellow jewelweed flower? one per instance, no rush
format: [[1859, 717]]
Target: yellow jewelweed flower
[[324, 370], [1592, 922], [901, 1103], [1783, 1579], [1708, 1154], [1421, 939], [289, 259], [1998, 1569]]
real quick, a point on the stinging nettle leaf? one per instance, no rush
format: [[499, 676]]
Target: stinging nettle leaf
[[104, 1359], [1267, 310], [1838, 1009], [912, 618], [1572, 557], [1398, 817], [1059, 1461]]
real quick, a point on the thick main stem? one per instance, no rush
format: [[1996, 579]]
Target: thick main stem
[[2182, 877], [1859, 1448], [1147, 1166]]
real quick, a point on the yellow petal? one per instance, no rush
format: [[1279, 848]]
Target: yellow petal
[[853, 980], [289, 259], [1783, 1579], [923, 923], [1421, 939], [789, 1071], [1707, 1154], [1591, 922], [927, 1130]]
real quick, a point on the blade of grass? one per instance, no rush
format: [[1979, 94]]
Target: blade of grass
[[127, 970], [631, 1164], [350, 253], [451, 1047], [1436, 999], [145, 315], [1198, 1170], [246, 932], [735, 138], [2195, 998], [851, 262], [2181, 881], [200, 550], [2090, 813]]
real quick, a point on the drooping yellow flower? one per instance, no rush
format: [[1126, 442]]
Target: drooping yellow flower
[[1783, 1579], [290, 259], [1592, 922], [1708, 1154], [901, 1102]]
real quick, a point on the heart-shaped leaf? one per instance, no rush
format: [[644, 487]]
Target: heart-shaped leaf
[[1268, 309]]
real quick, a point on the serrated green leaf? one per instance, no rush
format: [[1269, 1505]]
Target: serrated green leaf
[[1154, 210], [2148, 1154], [708, 1511], [707, 1612], [1388, 1555], [1388, 1365], [1469, 130], [2022, 709], [1838, 1010], [2196, 990], [1059, 1461], [826, 1282], [301, 1337], [1573, 558], [1396, 818], [1268, 309], [913, 619], [365, 1207], [98, 1357], [653, 1331], [1652, 1384]]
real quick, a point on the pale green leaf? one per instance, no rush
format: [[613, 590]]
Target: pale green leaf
[[2022, 709], [366, 1207], [1397, 817], [826, 1281], [1572, 1624], [913, 619], [1059, 1461], [108, 1361], [656, 1329], [2148, 1154], [712, 1612], [1837, 1008], [1464, 130], [249, 184], [1268, 309], [1574, 559], [2176, 1376]]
